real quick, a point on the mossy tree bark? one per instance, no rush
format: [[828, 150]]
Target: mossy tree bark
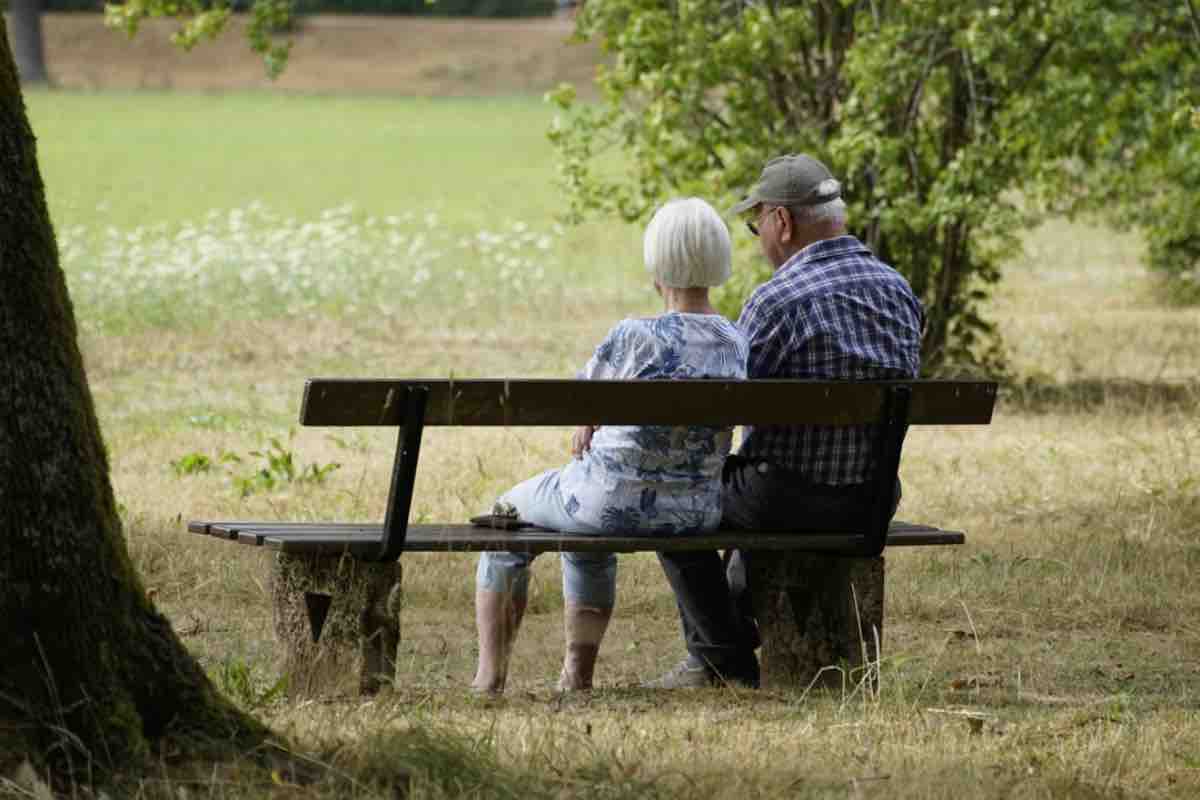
[[90, 672]]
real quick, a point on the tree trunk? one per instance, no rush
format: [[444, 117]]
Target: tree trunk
[[26, 19], [90, 673]]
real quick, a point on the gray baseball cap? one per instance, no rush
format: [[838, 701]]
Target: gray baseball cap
[[792, 180]]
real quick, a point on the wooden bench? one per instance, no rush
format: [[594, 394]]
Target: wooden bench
[[819, 601]]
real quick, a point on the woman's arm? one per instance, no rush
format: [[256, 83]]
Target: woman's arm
[[581, 440]]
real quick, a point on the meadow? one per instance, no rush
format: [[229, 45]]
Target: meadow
[[220, 249]]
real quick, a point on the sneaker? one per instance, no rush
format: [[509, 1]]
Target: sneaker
[[691, 673]]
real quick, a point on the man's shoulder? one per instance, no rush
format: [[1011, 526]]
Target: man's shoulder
[[821, 272], [847, 253], [794, 283], [852, 262]]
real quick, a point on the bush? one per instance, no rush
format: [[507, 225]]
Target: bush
[[953, 125]]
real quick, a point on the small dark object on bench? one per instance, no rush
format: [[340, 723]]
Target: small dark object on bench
[[818, 606], [499, 522]]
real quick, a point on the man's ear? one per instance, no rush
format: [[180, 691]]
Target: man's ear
[[787, 227]]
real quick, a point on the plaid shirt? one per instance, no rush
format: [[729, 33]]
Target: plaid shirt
[[832, 312]]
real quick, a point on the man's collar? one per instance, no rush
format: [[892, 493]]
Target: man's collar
[[823, 249]]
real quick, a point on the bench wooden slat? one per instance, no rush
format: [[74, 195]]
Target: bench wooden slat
[[223, 528], [364, 538], [255, 536], [376, 402], [231, 529]]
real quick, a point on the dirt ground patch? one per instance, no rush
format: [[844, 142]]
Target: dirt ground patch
[[426, 57]]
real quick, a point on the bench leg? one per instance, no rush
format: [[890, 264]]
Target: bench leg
[[356, 651], [814, 612]]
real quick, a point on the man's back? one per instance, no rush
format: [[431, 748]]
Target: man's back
[[832, 312]]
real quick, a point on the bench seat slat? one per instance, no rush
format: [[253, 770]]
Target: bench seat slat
[[231, 529], [253, 533], [359, 539]]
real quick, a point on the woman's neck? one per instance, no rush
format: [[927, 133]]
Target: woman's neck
[[692, 300]]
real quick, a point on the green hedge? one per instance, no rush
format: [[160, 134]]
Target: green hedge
[[441, 8]]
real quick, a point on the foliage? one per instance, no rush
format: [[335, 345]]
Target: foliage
[[1146, 169], [276, 466], [191, 464], [241, 682], [1162, 199], [953, 125]]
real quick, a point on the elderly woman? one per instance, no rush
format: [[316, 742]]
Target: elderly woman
[[632, 479]]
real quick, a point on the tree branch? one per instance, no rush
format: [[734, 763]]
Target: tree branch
[[918, 90], [1195, 20], [972, 98], [1032, 71], [716, 117], [699, 114]]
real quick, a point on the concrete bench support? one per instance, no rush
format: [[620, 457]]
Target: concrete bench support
[[813, 612], [356, 652]]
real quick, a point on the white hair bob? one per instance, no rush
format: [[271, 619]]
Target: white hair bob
[[687, 245]]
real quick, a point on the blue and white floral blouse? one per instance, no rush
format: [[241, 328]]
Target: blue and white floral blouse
[[656, 479]]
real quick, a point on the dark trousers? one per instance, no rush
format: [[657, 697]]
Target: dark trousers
[[713, 596]]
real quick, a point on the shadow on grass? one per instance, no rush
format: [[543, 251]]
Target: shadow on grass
[[443, 762]]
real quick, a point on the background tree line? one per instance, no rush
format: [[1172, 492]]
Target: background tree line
[[29, 52], [441, 8]]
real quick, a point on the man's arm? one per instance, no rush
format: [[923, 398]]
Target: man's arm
[[768, 330]]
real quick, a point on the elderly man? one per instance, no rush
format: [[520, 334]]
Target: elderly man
[[831, 311]]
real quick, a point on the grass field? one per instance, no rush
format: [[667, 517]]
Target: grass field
[[220, 249]]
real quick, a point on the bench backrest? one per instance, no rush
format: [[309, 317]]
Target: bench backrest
[[412, 404], [329, 401]]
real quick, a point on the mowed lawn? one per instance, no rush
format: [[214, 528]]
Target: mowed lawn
[[222, 248]]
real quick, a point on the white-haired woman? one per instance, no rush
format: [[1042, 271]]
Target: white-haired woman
[[632, 479]]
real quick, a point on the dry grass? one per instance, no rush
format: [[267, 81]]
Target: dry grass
[[1066, 627], [1079, 309]]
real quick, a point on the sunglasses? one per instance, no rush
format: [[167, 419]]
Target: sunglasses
[[752, 224]]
